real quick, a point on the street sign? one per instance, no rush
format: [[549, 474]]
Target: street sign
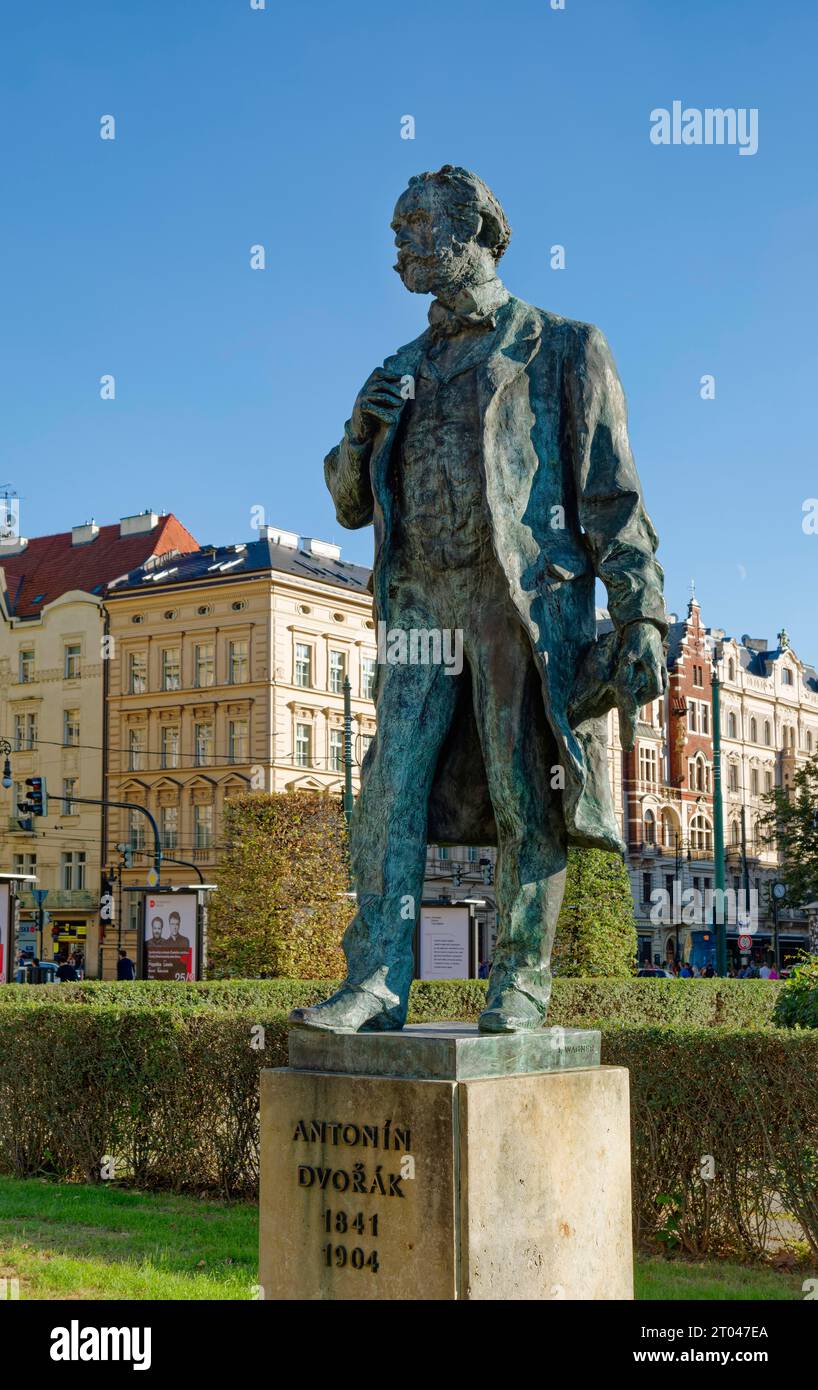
[[153, 878], [745, 943], [39, 895]]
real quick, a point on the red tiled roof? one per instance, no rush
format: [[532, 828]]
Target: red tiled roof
[[50, 565]]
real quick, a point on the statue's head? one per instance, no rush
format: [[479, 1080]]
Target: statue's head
[[450, 231]]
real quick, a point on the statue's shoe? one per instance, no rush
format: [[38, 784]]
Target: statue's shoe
[[513, 1011], [348, 1011]]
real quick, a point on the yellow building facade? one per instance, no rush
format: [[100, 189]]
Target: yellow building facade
[[226, 675], [53, 672]]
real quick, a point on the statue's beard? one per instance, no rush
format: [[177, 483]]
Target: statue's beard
[[443, 274]]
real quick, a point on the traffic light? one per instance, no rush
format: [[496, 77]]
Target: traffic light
[[37, 796], [457, 875], [487, 870]]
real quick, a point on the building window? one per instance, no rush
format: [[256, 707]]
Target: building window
[[364, 744], [668, 829], [169, 826], [767, 736], [808, 738], [203, 744], [136, 830], [731, 670], [25, 863], [336, 750], [786, 676], [303, 745], [701, 833], [704, 720], [238, 662], [754, 781], [203, 827], [170, 745], [69, 786], [26, 667], [697, 676], [238, 740], [699, 774], [73, 870], [647, 887], [754, 730], [368, 667], [71, 665], [337, 671], [71, 728], [303, 664], [732, 777], [768, 781], [25, 731], [648, 764], [443, 852], [204, 665], [732, 726], [691, 716], [138, 673], [649, 828], [136, 749], [171, 669], [735, 834]]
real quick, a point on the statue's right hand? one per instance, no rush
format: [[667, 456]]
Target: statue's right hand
[[379, 402]]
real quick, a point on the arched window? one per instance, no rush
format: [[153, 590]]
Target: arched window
[[649, 828], [809, 741], [732, 726], [701, 833], [754, 730], [735, 834], [731, 670], [767, 735], [669, 829]]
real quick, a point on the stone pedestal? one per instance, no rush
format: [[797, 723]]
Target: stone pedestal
[[438, 1163]]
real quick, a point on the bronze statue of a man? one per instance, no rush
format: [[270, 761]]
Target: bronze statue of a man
[[492, 456]]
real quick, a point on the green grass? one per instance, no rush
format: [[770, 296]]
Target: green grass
[[65, 1241], [674, 1280]]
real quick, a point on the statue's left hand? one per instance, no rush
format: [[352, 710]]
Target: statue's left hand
[[640, 675]]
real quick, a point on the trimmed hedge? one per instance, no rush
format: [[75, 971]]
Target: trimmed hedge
[[742, 1105], [577, 1003], [172, 1095]]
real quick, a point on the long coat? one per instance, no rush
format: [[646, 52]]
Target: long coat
[[566, 508]]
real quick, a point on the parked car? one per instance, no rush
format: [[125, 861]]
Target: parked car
[[653, 972]]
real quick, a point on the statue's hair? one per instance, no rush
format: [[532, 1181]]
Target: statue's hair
[[468, 193]]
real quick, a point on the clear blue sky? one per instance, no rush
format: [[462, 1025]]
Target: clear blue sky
[[282, 127]]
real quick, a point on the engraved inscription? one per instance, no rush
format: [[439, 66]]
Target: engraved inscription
[[359, 1178]]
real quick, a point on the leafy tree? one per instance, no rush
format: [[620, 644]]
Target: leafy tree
[[280, 908], [790, 823], [596, 932]]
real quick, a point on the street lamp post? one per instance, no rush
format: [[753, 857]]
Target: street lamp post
[[718, 828]]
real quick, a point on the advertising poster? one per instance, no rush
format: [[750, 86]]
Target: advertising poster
[[444, 943], [169, 942], [5, 934]]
